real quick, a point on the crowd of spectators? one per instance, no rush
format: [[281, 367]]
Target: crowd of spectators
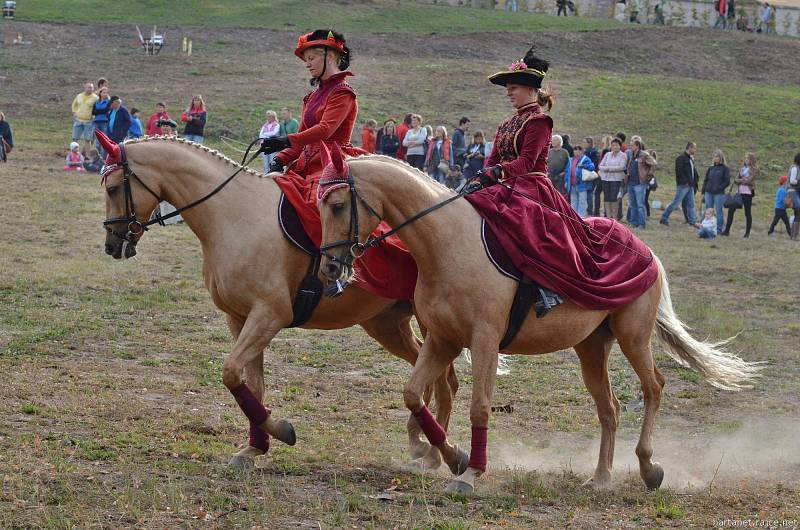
[[96, 108], [614, 179]]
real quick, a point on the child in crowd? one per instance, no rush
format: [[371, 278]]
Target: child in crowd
[[368, 136], [158, 115], [780, 207], [74, 160], [454, 179], [135, 130], [708, 228], [93, 162]]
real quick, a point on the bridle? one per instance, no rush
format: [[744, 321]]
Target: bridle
[[357, 248], [136, 228]]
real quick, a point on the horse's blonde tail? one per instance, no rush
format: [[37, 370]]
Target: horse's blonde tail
[[719, 367]]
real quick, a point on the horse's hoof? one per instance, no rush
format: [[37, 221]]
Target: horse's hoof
[[460, 487], [462, 462], [284, 431], [241, 463], [419, 450], [656, 477]]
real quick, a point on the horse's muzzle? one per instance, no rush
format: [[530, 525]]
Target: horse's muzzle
[[120, 249], [333, 270]]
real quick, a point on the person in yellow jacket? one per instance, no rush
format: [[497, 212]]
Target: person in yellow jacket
[[83, 125]]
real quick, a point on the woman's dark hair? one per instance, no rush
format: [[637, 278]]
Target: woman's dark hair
[[639, 144], [407, 119], [617, 141], [797, 159], [622, 137], [345, 56]]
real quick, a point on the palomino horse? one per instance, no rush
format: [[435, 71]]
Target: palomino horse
[[251, 270], [458, 315]]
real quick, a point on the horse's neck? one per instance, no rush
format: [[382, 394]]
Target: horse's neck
[[193, 174], [404, 194]]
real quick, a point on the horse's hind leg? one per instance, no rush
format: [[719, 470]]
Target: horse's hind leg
[[593, 354], [633, 329], [392, 329]]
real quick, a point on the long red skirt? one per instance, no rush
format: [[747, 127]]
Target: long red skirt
[[597, 263]]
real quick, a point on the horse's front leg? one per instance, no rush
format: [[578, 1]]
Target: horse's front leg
[[257, 332], [484, 372], [433, 362], [258, 443]]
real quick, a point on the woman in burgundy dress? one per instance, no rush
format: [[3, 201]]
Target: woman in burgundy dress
[[596, 262]]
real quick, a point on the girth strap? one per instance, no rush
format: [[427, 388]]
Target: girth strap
[[308, 295], [523, 300]]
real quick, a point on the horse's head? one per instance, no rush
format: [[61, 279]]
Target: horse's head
[[129, 202], [348, 218]]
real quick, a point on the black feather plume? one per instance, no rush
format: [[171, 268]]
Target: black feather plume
[[532, 61]]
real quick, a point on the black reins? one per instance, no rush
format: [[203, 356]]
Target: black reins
[[136, 227], [357, 248]]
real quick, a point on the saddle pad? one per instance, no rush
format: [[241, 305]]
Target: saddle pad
[[293, 228], [496, 254]]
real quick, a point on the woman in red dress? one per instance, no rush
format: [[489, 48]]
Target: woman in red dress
[[596, 262], [329, 114]]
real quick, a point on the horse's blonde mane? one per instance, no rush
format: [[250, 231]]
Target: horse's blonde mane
[[201, 147], [402, 164]]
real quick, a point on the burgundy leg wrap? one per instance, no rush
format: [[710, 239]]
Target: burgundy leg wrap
[[477, 456], [259, 438], [433, 431], [250, 404]]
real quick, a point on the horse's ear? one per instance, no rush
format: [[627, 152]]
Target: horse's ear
[[324, 154], [110, 147], [337, 158]]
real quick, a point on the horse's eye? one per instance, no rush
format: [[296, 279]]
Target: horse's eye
[[111, 189], [337, 207]]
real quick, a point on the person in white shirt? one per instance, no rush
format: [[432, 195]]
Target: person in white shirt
[[414, 142], [270, 128]]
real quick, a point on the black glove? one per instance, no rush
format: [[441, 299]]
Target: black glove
[[274, 144], [488, 176], [276, 165]]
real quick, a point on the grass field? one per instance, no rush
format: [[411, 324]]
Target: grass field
[[377, 16], [112, 411]]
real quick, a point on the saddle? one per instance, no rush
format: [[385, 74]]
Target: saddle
[[529, 294], [310, 292]]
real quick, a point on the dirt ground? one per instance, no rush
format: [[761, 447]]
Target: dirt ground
[[112, 412], [56, 50]]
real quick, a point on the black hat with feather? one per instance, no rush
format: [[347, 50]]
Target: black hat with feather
[[528, 71]]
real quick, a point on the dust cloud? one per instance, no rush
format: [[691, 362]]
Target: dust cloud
[[757, 450]]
